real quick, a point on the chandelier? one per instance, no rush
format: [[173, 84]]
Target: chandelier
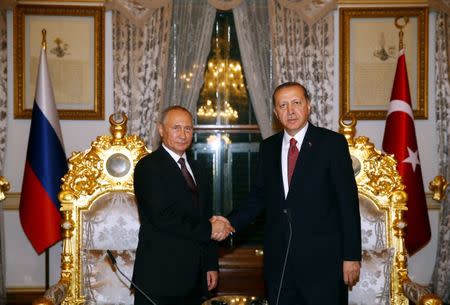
[[209, 111], [224, 83]]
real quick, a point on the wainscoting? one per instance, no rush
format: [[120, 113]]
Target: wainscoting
[[22, 296], [241, 272]]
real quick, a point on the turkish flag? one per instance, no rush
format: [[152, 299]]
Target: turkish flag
[[400, 140]]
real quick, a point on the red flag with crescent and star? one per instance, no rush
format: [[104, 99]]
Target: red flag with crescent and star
[[400, 140]]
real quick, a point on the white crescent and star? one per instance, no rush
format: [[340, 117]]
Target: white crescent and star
[[413, 158], [402, 106]]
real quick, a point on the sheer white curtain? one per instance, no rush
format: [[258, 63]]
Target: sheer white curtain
[[251, 18], [190, 43], [304, 53], [3, 121], [441, 275], [140, 67]]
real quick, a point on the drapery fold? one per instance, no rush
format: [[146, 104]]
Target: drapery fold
[[440, 5], [190, 43], [3, 125], [305, 54], [136, 11], [441, 274], [310, 11], [252, 27], [140, 55], [225, 5]]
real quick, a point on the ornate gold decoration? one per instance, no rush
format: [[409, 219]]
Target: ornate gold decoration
[[430, 299], [4, 187], [377, 178], [89, 178], [348, 129], [438, 186]]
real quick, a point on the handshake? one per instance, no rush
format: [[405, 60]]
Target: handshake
[[220, 228]]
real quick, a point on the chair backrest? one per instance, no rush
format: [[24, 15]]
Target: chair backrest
[[382, 202], [99, 214]]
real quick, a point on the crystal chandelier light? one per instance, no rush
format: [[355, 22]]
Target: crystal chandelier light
[[223, 82]]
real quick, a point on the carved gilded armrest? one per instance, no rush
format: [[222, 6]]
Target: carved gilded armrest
[[54, 295], [419, 294]]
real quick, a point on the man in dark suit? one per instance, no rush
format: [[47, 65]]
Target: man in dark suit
[[305, 183], [176, 261]]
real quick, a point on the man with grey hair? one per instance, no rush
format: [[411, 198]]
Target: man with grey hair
[[176, 261]]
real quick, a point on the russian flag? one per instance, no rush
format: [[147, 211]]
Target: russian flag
[[44, 167]]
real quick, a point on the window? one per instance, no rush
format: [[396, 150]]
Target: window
[[227, 136]]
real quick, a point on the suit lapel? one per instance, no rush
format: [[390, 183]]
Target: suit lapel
[[304, 158], [197, 178], [277, 162], [169, 165], [195, 169]]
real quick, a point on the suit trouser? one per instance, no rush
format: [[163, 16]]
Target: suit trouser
[[139, 299], [306, 290], [194, 297]]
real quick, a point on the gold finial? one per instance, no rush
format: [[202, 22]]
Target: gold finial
[[400, 26], [118, 128], [44, 39], [438, 186], [348, 129]]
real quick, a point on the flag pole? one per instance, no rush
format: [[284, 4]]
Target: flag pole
[[47, 252], [400, 26], [47, 269]]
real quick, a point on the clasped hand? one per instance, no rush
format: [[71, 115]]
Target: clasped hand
[[221, 228]]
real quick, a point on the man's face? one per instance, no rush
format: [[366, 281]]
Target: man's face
[[292, 108], [176, 131]]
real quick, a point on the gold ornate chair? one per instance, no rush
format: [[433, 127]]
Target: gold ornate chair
[[99, 214], [382, 200]]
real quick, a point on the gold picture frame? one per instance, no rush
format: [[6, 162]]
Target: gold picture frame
[[75, 55], [368, 47]]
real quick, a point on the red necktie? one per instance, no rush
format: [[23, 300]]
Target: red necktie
[[187, 175], [292, 158]]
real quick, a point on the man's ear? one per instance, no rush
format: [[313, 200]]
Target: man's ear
[[275, 113], [160, 130]]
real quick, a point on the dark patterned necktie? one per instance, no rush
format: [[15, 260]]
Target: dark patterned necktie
[[187, 176], [292, 158]]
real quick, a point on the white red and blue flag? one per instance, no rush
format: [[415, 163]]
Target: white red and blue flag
[[44, 167]]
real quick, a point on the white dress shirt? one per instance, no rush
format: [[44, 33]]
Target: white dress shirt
[[299, 136], [177, 157]]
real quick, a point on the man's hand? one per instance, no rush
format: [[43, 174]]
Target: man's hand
[[221, 228], [212, 278], [351, 273]]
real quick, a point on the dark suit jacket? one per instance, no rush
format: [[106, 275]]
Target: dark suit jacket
[[322, 203], [175, 247]]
